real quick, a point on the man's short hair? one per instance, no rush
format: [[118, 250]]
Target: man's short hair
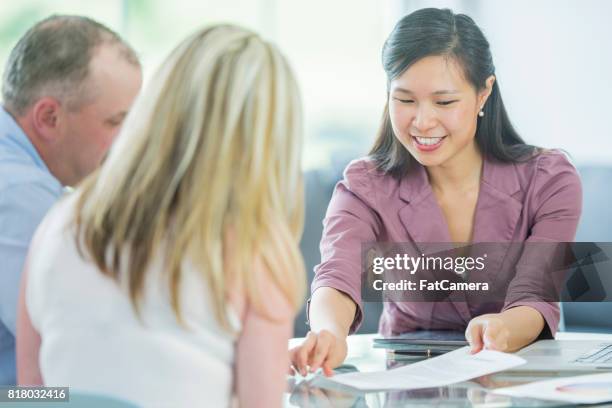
[[52, 59]]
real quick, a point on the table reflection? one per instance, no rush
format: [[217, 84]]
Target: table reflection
[[317, 391]]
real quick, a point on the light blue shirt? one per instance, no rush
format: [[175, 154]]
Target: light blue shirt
[[27, 192]]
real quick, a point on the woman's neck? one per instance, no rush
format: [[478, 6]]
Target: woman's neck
[[460, 173]]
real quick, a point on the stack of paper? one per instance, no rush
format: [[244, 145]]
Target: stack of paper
[[584, 389]]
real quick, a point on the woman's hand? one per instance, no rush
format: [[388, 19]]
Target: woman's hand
[[319, 349], [489, 332], [507, 331]]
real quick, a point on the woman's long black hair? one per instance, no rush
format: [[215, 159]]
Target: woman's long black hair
[[440, 32]]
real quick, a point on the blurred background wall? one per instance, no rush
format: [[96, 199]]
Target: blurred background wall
[[334, 47]]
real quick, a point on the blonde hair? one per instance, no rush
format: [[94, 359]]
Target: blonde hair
[[211, 148]]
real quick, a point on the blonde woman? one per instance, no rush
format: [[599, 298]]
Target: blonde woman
[[172, 275]]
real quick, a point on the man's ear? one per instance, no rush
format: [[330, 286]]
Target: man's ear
[[46, 117]]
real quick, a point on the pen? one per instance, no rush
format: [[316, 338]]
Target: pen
[[423, 353]]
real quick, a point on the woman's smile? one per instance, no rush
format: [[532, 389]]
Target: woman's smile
[[427, 144]]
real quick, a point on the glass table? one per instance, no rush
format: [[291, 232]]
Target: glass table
[[316, 391]]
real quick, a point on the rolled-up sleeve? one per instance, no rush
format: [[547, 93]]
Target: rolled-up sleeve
[[557, 205], [348, 223]]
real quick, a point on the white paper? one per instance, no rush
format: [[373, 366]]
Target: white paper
[[449, 368], [583, 389]]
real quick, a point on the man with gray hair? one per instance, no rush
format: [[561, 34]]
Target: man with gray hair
[[68, 84]]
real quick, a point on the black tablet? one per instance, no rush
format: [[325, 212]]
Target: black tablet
[[423, 339]]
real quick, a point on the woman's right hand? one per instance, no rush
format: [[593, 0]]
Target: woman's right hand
[[319, 349]]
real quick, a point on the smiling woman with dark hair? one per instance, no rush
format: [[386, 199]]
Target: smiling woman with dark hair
[[447, 167]]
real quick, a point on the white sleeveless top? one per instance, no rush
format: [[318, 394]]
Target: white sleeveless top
[[93, 341]]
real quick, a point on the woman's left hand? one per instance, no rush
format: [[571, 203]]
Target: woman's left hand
[[489, 332]]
